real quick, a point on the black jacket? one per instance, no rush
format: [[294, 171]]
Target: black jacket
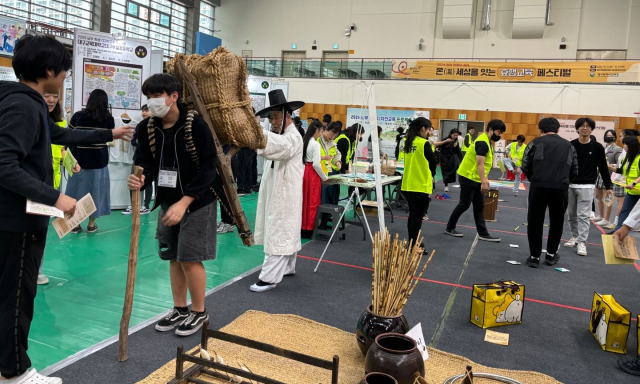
[[96, 156], [550, 162], [192, 182], [26, 166]]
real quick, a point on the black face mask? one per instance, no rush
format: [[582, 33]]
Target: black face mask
[[608, 139], [495, 137]]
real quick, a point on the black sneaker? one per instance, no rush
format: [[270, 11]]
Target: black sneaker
[[632, 367], [193, 323], [533, 262], [241, 193], [453, 232], [172, 320], [77, 229], [551, 259], [93, 229], [489, 238]]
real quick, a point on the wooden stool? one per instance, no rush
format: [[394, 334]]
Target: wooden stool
[[335, 211]]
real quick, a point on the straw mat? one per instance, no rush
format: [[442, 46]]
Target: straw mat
[[322, 341]]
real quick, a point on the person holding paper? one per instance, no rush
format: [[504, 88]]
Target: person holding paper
[[630, 170], [513, 161], [26, 134]]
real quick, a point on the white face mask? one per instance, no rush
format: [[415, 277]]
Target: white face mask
[[158, 106]]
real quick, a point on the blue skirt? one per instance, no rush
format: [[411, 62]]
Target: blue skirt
[[93, 181]]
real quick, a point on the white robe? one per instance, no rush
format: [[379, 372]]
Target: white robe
[[279, 212]]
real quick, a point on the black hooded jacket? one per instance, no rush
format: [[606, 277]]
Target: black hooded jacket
[[26, 165]]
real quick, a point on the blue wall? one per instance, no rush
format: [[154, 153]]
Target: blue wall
[[206, 43]]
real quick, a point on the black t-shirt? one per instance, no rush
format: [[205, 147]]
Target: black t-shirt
[[481, 148], [168, 161]]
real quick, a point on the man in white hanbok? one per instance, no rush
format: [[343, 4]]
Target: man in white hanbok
[[279, 212]]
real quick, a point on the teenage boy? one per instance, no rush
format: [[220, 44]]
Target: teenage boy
[[474, 180], [26, 134], [591, 160], [148, 190], [186, 230], [468, 140], [513, 161]]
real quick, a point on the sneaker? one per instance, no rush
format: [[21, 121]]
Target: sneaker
[[77, 229], [489, 238], [33, 377], [42, 279], [261, 286], [174, 319], [571, 243], [93, 229], [551, 259], [533, 262], [127, 211], [615, 222], [631, 367], [596, 219], [241, 193], [515, 194], [225, 228], [453, 232], [602, 223], [193, 323], [144, 210], [593, 216], [446, 189], [610, 226], [582, 249], [425, 217]]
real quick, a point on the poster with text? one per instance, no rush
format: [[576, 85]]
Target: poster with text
[[118, 66], [568, 129], [11, 30], [389, 120], [7, 74]]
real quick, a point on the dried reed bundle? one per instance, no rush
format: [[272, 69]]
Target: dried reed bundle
[[395, 264]]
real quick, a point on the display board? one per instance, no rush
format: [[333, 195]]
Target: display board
[[389, 120], [7, 74], [568, 129], [11, 30]]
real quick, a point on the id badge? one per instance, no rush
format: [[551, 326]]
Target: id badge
[[168, 178]]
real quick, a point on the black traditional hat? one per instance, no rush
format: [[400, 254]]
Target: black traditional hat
[[277, 102]]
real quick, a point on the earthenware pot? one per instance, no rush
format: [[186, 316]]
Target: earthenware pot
[[396, 355], [378, 378], [370, 326]]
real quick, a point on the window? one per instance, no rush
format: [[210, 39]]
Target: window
[[207, 12], [161, 21], [60, 13]]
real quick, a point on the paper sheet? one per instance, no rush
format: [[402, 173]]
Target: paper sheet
[[496, 337], [42, 209], [69, 163], [84, 208], [610, 253], [626, 250], [416, 334]]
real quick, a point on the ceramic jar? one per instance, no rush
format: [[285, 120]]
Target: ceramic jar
[[396, 355], [370, 326], [378, 378]]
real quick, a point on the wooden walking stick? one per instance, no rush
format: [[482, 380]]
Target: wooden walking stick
[[123, 341]]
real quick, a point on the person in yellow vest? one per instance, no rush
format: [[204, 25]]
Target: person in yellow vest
[[347, 143], [474, 181], [631, 172], [330, 160], [57, 151], [513, 160], [419, 168], [468, 140]]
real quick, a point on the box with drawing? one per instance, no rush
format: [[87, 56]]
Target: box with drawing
[[497, 304]]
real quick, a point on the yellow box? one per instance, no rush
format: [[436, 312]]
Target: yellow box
[[497, 304], [610, 323]]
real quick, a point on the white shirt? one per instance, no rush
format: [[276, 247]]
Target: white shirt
[[313, 156]]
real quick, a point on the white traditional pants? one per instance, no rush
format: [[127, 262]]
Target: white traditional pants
[[512, 167], [276, 266]]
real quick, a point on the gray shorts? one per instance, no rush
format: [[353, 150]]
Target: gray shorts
[[193, 239]]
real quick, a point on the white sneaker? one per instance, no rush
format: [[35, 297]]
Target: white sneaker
[[425, 217], [596, 218], [610, 226], [225, 228], [127, 211], [42, 279], [593, 216], [144, 210], [602, 223], [582, 249], [571, 243], [446, 189], [261, 288], [33, 377]]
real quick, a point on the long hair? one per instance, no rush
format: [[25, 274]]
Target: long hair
[[414, 130], [352, 131], [98, 106], [56, 114], [632, 146], [379, 133], [314, 127]]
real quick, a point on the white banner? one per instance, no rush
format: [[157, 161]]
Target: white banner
[[569, 132], [7, 74]]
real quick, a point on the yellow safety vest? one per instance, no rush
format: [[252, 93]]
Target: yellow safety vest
[[326, 163], [401, 149], [464, 146], [56, 154], [517, 154], [417, 176], [632, 175], [351, 147], [469, 166]]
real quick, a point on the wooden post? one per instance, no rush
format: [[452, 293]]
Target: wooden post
[[123, 341], [223, 164]]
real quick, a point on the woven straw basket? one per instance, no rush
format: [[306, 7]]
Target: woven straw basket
[[388, 167], [222, 80]]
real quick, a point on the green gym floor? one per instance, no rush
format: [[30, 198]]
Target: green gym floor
[[82, 304]]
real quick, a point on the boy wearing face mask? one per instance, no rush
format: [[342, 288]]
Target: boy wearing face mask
[[186, 222]]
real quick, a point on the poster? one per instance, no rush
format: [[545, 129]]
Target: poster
[[568, 129], [389, 120], [11, 30], [117, 66], [7, 74], [498, 152], [259, 88], [619, 72]]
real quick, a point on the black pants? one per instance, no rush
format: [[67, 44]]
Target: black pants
[[418, 205], [254, 170], [469, 194], [246, 158], [225, 216], [20, 257], [539, 200]]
